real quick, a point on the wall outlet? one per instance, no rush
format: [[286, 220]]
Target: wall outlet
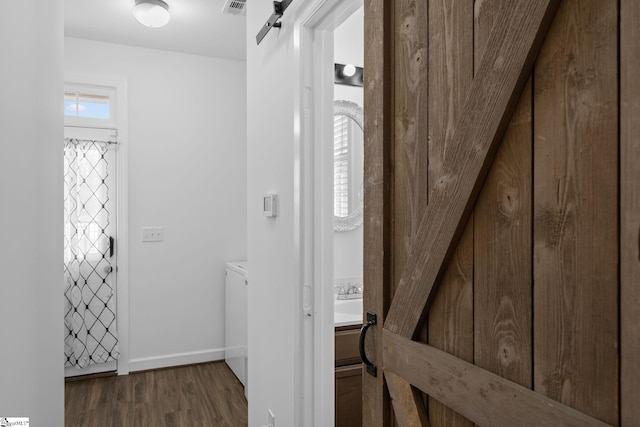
[[152, 234], [272, 419]]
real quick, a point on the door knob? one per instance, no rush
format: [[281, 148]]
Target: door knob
[[108, 269]]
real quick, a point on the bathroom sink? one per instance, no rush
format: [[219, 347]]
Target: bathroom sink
[[347, 312], [349, 306]]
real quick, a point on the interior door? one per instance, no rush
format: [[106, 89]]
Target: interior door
[[496, 201]]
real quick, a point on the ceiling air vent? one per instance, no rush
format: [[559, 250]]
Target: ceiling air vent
[[235, 7]]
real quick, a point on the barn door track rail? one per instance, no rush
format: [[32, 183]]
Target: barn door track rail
[[278, 10]]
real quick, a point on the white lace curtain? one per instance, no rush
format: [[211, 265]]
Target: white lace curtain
[[90, 321]]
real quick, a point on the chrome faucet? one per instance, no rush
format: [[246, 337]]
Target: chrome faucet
[[350, 291]]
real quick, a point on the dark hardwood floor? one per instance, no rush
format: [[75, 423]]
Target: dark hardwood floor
[[205, 395]]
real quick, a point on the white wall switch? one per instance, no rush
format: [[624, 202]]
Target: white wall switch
[[152, 234]]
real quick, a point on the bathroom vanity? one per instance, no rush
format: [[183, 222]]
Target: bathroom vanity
[[348, 377], [348, 366]]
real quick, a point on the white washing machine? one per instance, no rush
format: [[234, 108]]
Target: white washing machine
[[236, 320]]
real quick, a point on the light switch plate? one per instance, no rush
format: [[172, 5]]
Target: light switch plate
[[152, 234]]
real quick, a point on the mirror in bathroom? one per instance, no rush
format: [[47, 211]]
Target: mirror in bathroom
[[348, 172]]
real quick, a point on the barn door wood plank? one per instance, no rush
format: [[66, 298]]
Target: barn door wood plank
[[493, 96], [630, 212], [410, 140], [481, 396], [450, 320], [502, 238], [407, 403], [377, 130], [410, 161], [576, 210]]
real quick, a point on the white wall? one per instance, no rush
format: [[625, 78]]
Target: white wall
[[349, 49], [274, 310], [31, 308], [348, 40], [276, 159], [187, 173]]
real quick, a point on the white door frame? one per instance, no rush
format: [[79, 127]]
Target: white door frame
[[120, 122], [315, 22]]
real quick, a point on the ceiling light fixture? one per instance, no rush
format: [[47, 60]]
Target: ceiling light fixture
[[348, 74], [151, 13], [349, 70]]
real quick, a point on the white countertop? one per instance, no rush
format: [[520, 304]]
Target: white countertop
[[347, 312]]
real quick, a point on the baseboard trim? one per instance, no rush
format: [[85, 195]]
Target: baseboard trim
[[177, 359]]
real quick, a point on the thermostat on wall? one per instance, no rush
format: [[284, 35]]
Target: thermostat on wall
[[270, 205]]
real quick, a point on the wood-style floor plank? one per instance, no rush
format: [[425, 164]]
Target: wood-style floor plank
[[196, 395]]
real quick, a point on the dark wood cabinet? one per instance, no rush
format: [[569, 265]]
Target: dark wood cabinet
[[348, 377]]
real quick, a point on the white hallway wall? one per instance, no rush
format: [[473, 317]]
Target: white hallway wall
[[274, 308], [187, 172], [276, 365], [31, 309]]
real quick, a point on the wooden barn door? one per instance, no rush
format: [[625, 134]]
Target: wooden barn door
[[502, 212]]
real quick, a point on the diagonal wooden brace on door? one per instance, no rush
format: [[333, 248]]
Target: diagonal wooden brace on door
[[407, 402], [507, 62]]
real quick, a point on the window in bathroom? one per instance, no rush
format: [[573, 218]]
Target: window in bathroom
[[341, 131]]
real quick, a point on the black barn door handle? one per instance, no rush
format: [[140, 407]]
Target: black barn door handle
[[371, 368]]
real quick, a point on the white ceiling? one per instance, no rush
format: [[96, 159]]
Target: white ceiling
[[197, 27]]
